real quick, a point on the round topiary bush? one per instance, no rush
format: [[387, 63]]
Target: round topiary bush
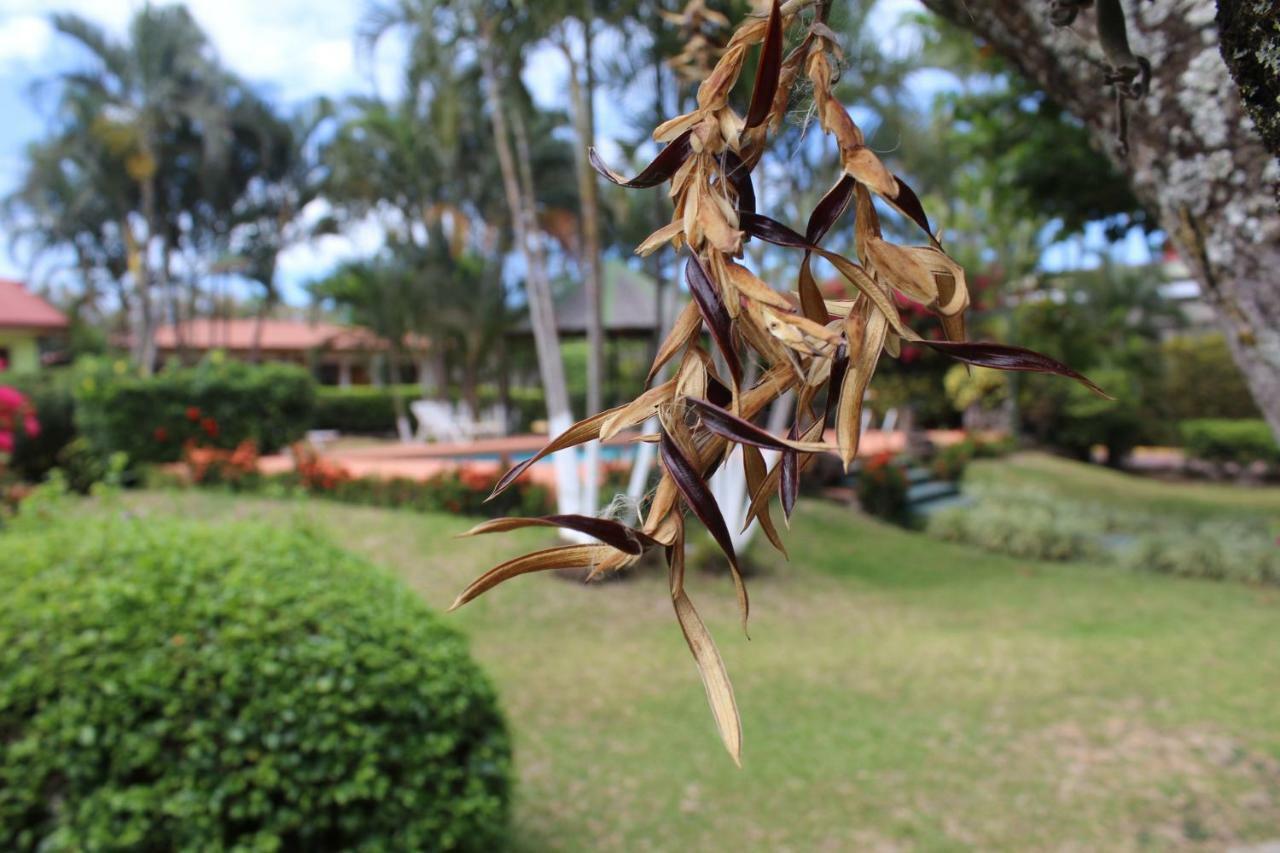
[[174, 685]]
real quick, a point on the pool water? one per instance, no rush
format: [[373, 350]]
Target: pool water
[[608, 453]]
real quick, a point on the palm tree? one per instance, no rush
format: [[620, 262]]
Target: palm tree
[[157, 103], [495, 34], [74, 196], [382, 295], [267, 218]]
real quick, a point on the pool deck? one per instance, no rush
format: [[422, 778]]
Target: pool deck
[[420, 461]]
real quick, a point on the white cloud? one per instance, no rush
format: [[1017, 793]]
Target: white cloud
[[307, 261], [298, 47], [23, 39], [295, 48]]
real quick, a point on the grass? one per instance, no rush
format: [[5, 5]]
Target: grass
[[1100, 485], [897, 692]]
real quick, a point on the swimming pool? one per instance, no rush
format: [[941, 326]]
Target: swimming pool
[[608, 453]]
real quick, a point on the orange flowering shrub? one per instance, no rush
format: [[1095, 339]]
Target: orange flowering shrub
[[316, 473], [477, 479], [213, 465], [882, 487]]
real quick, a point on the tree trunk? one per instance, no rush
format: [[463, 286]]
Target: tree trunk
[[581, 95], [145, 332], [404, 430], [170, 297], [265, 309], [471, 379], [661, 214], [537, 285], [504, 383], [1251, 48], [1195, 158]]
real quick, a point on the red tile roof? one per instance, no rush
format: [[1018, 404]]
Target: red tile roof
[[237, 334], [22, 309]]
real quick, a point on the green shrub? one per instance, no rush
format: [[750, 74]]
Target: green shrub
[[992, 448], [82, 465], [950, 461], [1033, 523], [1200, 379], [914, 387], [1241, 441], [363, 409], [1021, 529], [1086, 419], [1218, 550], [217, 403], [171, 685], [456, 492], [967, 386]]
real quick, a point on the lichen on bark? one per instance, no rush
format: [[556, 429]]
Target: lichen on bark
[[1250, 40]]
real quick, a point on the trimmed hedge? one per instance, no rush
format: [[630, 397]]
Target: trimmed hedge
[[362, 409], [217, 403], [370, 410], [1221, 550], [173, 685], [1030, 528], [1242, 441]]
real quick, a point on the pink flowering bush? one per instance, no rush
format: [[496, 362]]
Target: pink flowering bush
[[16, 411]]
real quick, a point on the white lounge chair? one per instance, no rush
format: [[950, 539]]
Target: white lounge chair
[[437, 421], [491, 424]]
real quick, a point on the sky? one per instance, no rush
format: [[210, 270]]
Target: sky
[[292, 49]]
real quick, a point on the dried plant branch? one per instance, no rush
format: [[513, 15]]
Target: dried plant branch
[[808, 344]]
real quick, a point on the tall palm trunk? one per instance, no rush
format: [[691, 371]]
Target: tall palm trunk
[[265, 309], [537, 285], [255, 346], [145, 333], [660, 214], [395, 357], [582, 95]]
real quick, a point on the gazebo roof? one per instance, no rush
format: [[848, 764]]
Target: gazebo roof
[[628, 304]]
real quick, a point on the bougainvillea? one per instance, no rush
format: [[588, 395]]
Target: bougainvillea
[[815, 347], [16, 413]]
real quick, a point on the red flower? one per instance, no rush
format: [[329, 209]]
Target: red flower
[[475, 480], [193, 414], [160, 434], [15, 407], [210, 427]]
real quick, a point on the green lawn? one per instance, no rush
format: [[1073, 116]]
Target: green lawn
[[897, 692], [1094, 483]]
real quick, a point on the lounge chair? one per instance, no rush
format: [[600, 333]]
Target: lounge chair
[[438, 421]]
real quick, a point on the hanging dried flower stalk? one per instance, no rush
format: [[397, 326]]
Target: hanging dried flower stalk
[[807, 343], [700, 27]]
